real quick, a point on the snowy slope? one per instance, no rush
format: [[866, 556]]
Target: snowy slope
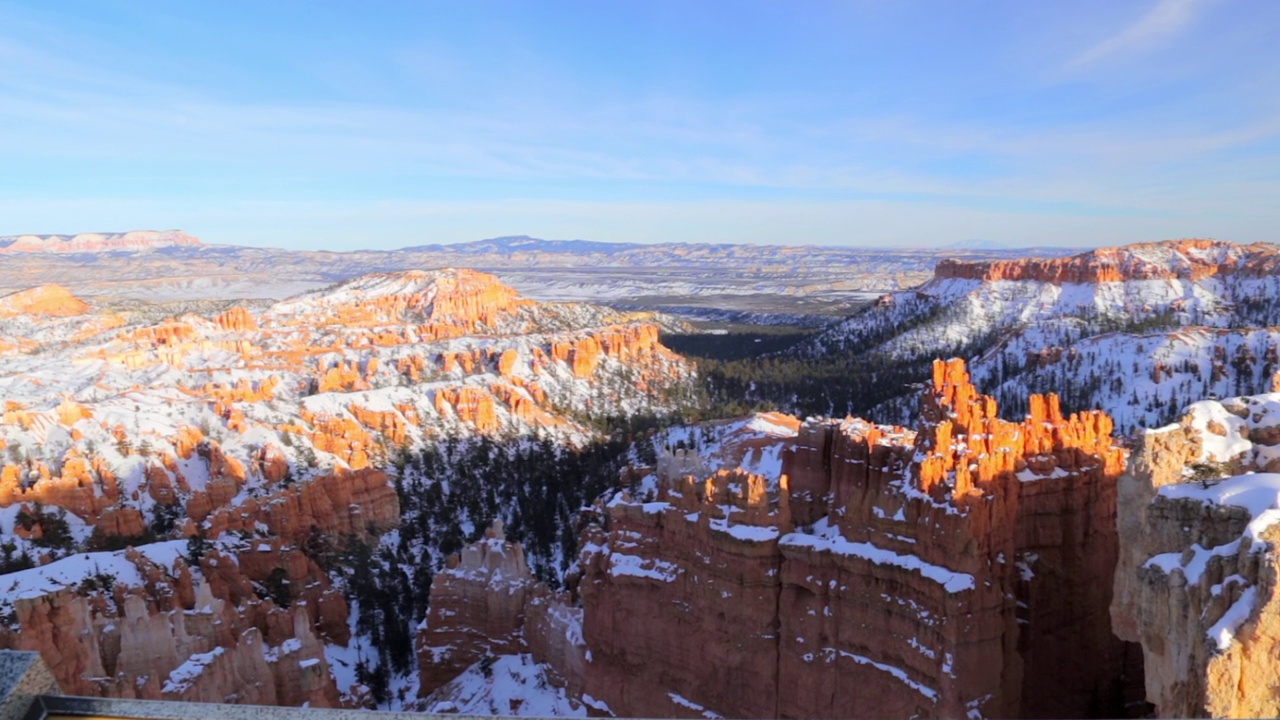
[[1141, 380], [332, 380], [1137, 330], [505, 685]]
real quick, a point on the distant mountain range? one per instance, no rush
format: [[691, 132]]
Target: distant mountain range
[[523, 243]]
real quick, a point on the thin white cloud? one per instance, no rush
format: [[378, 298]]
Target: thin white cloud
[[1159, 26], [134, 135]]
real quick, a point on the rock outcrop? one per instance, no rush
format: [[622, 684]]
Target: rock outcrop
[[960, 570], [263, 432], [477, 609], [835, 569], [254, 631], [46, 300], [1196, 583], [486, 603], [288, 377]]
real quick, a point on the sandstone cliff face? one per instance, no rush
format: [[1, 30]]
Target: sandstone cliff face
[[1192, 259], [681, 596], [1196, 584], [487, 603], [960, 570], [477, 609], [834, 569]]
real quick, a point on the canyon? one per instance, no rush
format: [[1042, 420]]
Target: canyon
[[425, 490], [961, 568], [174, 491]]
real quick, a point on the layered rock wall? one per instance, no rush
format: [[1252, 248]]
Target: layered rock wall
[[487, 603], [1196, 583], [477, 609], [1193, 260], [681, 597], [960, 570]]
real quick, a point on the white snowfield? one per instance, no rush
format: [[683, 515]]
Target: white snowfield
[[1227, 429], [71, 571], [753, 444], [511, 686], [185, 674]]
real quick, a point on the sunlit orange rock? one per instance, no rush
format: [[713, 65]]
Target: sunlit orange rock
[[342, 377], [46, 300], [236, 319], [342, 436], [472, 406], [939, 596], [69, 413], [507, 362]]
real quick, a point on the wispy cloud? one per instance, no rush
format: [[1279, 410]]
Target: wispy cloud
[[1158, 27], [451, 146]]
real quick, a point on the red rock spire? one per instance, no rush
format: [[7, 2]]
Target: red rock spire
[[963, 446]]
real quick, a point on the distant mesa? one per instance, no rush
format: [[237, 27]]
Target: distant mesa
[[45, 300], [1190, 259], [97, 242]]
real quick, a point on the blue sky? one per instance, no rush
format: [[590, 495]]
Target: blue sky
[[383, 124]]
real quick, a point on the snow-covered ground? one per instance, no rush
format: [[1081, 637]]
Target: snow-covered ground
[[504, 685], [1140, 348], [73, 570]]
